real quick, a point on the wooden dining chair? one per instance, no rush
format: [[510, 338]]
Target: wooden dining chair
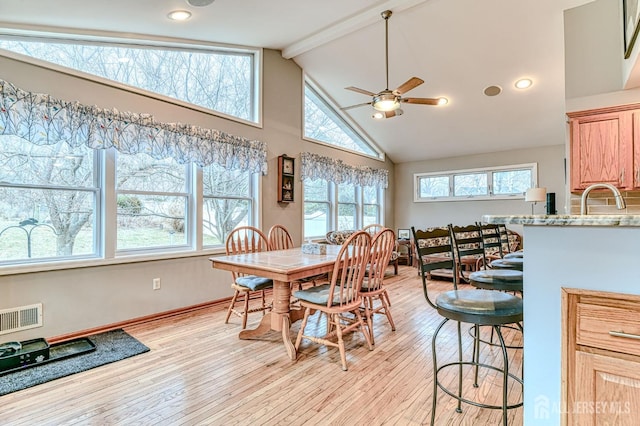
[[373, 229], [339, 297], [375, 297], [280, 239], [247, 239]]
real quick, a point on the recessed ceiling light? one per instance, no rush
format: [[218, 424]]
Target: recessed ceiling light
[[179, 15], [492, 90], [524, 83]]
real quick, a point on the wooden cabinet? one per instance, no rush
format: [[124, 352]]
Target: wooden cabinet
[[601, 358], [286, 168], [602, 148]]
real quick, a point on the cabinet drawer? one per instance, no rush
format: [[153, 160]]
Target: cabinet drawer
[[596, 326]]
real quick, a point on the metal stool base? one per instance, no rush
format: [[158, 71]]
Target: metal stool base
[[506, 376], [491, 342]]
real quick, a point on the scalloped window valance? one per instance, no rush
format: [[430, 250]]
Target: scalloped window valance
[[314, 166], [42, 119]]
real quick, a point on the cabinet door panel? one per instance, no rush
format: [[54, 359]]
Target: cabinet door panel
[[607, 391], [601, 150]]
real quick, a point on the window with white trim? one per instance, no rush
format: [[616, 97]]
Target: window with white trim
[[152, 202], [49, 201], [317, 208], [51, 209], [218, 79], [489, 183], [227, 204], [345, 206], [323, 124]]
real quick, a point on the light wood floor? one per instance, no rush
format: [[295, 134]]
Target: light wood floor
[[198, 372]]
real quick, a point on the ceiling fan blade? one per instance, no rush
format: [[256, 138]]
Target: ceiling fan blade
[[355, 106], [412, 83], [364, 92], [422, 101]]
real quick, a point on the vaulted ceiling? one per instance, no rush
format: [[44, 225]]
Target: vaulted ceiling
[[458, 47]]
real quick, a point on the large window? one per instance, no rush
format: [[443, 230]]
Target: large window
[[317, 208], [49, 206], [323, 124], [152, 198], [371, 205], [345, 206], [477, 184], [220, 80], [51, 203], [228, 203]]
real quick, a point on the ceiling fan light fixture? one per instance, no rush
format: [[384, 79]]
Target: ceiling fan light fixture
[[386, 102], [443, 101], [380, 115]]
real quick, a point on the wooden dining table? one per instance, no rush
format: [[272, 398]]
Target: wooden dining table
[[283, 267]]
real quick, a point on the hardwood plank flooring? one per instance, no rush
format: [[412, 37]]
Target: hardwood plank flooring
[[199, 373]]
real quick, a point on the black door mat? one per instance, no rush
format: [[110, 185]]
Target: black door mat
[[60, 351]]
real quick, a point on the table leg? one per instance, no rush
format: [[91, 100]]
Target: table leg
[[263, 328], [278, 319], [286, 339]]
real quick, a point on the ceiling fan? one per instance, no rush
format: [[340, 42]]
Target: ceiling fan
[[387, 102]]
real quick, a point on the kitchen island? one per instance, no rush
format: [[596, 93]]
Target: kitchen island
[[596, 252]]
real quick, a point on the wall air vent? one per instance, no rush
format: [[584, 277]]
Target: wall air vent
[[21, 318]]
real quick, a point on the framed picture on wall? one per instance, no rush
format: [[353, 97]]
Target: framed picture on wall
[[631, 15], [404, 234]]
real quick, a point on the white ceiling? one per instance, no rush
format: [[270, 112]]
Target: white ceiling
[[458, 47]]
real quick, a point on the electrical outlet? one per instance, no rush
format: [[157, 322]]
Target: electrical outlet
[[156, 283]]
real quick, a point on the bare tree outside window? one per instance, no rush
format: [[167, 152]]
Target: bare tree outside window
[[220, 81], [227, 202], [47, 200], [50, 194], [152, 198], [321, 123]]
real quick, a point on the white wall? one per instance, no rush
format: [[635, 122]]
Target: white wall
[[85, 298], [593, 49], [550, 161]]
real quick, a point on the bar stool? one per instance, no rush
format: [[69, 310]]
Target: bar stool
[[510, 280], [514, 255], [508, 263], [498, 279], [477, 307]]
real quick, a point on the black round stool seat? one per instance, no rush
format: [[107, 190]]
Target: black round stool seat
[[514, 255], [486, 307], [498, 279], [480, 307], [513, 263]]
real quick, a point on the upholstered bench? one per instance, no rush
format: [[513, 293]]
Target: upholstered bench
[[339, 237]]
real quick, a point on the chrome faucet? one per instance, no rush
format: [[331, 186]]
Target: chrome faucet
[[616, 194]]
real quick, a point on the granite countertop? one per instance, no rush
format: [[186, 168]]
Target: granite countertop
[[565, 220]]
